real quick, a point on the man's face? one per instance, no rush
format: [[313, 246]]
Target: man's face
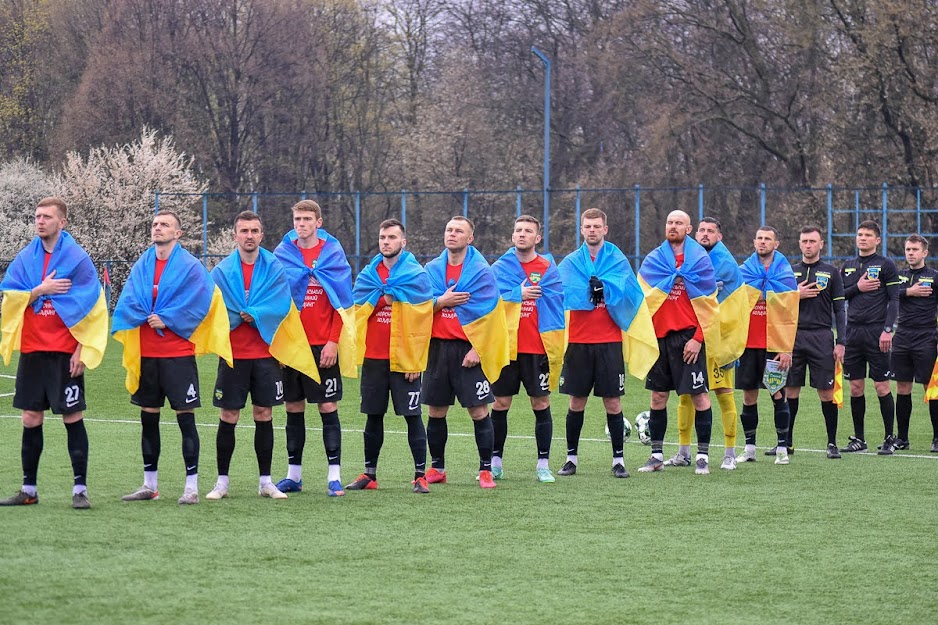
[[708, 235], [49, 222], [391, 241], [306, 223], [164, 229], [765, 243], [457, 236], [915, 254], [811, 245], [248, 235], [593, 230], [677, 227], [525, 236], [867, 241]]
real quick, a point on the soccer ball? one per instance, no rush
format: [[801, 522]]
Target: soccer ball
[[641, 426], [627, 429]]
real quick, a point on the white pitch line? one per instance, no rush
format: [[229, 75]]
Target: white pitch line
[[8, 377], [467, 435], [7, 394]]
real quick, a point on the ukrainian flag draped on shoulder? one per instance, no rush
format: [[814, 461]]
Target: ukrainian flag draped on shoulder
[[187, 301], [483, 317], [270, 305], [734, 302], [335, 275], [624, 300], [777, 285], [411, 310], [550, 316], [658, 274], [82, 309]]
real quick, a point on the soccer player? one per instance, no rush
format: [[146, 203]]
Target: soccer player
[[680, 287], [469, 346], [321, 281], [530, 285], [820, 307], [394, 314], [54, 313], [262, 316], [914, 348], [168, 312], [773, 320], [721, 378], [606, 308], [871, 286]]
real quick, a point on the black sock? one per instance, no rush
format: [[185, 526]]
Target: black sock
[[887, 406], [500, 427], [616, 434], [437, 433], [793, 411], [858, 411], [374, 439], [543, 432], [574, 426], [829, 409], [782, 419], [485, 437], [150, 440], [78, 450], [264, 445], [32, 449], [657, 427], [417, 439], [190, 441], [933, 414], [224, 445], [903, 415], [749, 419], [703, 424], [296, 437], [332, 436]]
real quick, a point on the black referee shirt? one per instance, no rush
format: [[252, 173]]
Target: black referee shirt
[[879, 307], [918, 313], [821, 312]]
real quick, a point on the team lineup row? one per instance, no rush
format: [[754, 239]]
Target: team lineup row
[[289, 325]]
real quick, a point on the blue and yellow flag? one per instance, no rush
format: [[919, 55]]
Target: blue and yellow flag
[[734, 302], [658, 274], [187, 301], [483, 317], [624, 300], [777, 285], [82, 309], [333, 272], [411, 310], [270, 305], [551, 323]]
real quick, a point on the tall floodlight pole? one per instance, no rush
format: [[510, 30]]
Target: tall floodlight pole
[[546, 219]]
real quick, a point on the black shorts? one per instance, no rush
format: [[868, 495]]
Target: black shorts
[[378, 381], [862, 349], [299, 386], [176, 379], [913, 355], [43, 383], [751, 368], [532, 370], [596, 367], [446, 378], [259, 376], [671, 373], [814, 349]]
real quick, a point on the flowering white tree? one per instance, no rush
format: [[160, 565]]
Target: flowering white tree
[[22, 185]]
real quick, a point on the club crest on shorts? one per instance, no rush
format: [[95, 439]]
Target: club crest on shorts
[[219, 394], [773, 378], [873, 272], [535, 277], [822, 278]]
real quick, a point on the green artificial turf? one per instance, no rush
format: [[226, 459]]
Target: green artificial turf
[[818, 541]]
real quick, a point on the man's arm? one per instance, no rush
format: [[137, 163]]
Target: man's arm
[[890, 279]]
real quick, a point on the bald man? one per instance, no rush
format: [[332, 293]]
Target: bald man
[[670, 274]]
